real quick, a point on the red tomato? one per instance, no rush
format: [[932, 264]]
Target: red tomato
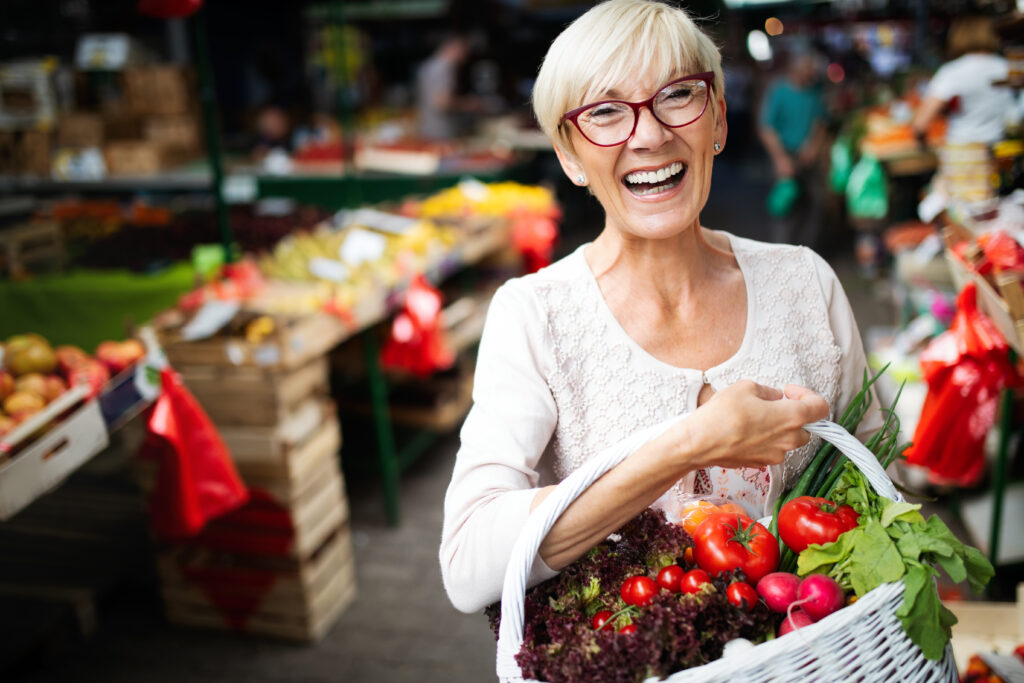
[[639, 590], [670, 576], [628, 628], [693, 581], [729, 541], [600, 619], [742, 595], [806, 520]]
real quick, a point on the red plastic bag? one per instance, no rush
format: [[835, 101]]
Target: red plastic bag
[[417, 343], [534, 235], [966, 368], [169, 9], [196, 478]]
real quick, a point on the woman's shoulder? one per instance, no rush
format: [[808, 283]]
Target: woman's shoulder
[[778, 263]]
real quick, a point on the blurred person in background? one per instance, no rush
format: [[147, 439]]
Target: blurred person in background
[[439, 110], [657, 318], [791, 125], [976, 109]]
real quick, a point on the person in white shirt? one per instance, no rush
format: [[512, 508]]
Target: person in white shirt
[[966, 86], [658, 317]]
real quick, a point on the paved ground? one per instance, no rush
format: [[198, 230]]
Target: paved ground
[[400, 628]]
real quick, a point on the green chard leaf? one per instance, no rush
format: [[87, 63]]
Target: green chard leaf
[[979, 569], [925, 619], [913, 545], [820, 558], [954, 566], [875, 559], [906, 512]]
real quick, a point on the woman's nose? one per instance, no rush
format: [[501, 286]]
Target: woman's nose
[[649, 132]]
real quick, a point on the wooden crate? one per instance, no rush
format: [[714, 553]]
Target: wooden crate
[[29, 246], [1002, 303], [249, 396], [288, 449], [293, 600], [295, 341]]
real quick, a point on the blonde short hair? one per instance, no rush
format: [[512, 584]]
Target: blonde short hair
[[972, 34], [609, 46]]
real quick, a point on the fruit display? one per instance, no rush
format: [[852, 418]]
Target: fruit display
[[33, 373], [473, 198]]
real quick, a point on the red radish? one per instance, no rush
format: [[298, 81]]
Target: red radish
[[798, 619], [779, 590], [819, 595]]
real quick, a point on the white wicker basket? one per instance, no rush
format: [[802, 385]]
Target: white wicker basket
[[862, 642]]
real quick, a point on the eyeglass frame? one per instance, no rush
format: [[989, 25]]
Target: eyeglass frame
[[573, 114]]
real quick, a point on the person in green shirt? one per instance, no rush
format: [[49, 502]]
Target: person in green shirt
[[791, 125]]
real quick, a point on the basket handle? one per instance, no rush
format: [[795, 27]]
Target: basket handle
[[540, 521]]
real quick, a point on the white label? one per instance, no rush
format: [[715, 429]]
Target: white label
[[328, 269], [474, 189], [361, 246], [239, 189], [267, 354], [104, 52], [210, 319], [375, 220]]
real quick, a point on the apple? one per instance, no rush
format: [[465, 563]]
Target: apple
[[6, 384], [32, 356], [21, 404], [33, 383], [69, 356], [21, 341], [7, 424], [55, 386], [119, 355], [92, 373]]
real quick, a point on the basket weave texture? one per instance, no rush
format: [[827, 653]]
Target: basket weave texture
[[862, 642]]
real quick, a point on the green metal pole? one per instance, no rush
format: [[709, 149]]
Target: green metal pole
[[999, 475], [390, 468], [211, 126]]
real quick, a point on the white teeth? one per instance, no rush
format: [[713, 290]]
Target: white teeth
[[655, 176]]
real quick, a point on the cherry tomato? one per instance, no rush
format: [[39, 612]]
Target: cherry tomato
[[806, 520], [600, 619], [670, 576], [742, 595], [628, 628], [639, 590], [694, 580], [728, 541]]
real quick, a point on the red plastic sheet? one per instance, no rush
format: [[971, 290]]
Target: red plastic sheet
[[966, 369], [417, 343]]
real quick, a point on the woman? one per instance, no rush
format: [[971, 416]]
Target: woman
[[978, 109], [657, 317]]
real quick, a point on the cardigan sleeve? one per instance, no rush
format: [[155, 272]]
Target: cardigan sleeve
[[853, 362], [496, 477]]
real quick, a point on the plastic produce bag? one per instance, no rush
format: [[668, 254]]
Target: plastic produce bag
[[966, 368], [196, 478], [841, 157], [417, 343], [783, 196], [534, 235], [867, 195]]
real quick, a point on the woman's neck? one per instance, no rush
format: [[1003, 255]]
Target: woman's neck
[[668, 270]]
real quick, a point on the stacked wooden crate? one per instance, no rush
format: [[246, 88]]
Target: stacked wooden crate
[[281, 565]]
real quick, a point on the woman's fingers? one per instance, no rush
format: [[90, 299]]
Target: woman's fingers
[[813, 405]]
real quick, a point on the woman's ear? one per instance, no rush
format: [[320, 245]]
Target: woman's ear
[[721, 126], [570, 166]]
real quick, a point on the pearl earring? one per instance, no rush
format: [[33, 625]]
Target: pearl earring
[[580, 179], [718, 147]]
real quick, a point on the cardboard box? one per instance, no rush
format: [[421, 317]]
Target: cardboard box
[[129, 157], [80, 129], [157, 90], [178, 132], [36, 466], [36, 151]]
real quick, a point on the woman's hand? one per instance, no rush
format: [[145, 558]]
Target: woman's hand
[[749, 425]]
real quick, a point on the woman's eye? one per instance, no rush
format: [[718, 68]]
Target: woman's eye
[[679, 93]]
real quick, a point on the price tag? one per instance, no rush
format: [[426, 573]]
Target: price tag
[[375, 220], [102, 51], [361, 246], [474, 189], [239, 189], [328, 269], [211, 317]]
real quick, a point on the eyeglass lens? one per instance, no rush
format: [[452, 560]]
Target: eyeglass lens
[[609, 123]]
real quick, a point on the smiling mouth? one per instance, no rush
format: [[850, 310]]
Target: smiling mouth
[[644, 183]]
